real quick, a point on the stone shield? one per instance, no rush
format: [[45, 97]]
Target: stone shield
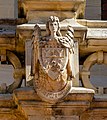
[[52, 84], [53, 61]]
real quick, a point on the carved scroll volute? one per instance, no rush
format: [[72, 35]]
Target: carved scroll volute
[[51, 64], [17, 75]]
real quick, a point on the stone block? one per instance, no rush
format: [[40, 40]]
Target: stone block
[[41, 17], [56, 6]]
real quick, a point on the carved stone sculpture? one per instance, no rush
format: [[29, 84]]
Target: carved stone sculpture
[[51, 63]]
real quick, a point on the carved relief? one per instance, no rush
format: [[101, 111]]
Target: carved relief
[[51, 65]]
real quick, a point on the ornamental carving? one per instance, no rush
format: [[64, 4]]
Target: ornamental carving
[[51, 61], [17, 74], [99, 57]]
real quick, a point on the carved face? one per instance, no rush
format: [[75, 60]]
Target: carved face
[[53, 26]]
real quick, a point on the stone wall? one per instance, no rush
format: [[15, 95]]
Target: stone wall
[[8, 9], [24, 103], [93, 9]]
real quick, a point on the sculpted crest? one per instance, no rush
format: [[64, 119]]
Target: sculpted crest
[[52, 67]]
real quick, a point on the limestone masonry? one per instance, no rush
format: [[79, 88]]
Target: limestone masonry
[[54, 60]]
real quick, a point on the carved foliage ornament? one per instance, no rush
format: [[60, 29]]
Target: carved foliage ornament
[[51, 61]]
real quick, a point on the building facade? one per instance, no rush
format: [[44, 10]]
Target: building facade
[[88, 97]]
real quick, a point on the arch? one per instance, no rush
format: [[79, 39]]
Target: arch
[[13, 59], [98, 57]]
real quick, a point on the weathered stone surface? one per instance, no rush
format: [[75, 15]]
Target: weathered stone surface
[[25, 31], [77, 107], [28, 93], [98, 33], [8, 108], [62, 9], [35, 17], [92, 23], [79, 104], [80, 30], [70, 108], [52, 64], [54, 118]]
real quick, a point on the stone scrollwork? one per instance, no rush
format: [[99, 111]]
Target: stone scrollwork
[[99, 57], [51, 63], [18, 73]]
